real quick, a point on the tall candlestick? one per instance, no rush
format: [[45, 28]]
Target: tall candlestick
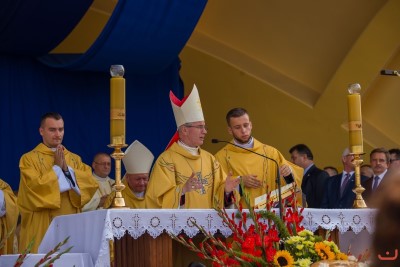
[[117, 105], [356, 141], [117, 128], [355, 120]]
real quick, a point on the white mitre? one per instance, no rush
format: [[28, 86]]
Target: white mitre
[[138, 158], [188, 109]]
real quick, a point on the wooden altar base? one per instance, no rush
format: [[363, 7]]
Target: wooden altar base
[[145, 251]]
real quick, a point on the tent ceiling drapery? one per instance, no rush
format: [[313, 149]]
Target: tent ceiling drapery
[[35, 27], [145, 36], [298, 59]]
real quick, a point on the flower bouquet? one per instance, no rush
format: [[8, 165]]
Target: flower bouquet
[[263, 238], [47, 260]]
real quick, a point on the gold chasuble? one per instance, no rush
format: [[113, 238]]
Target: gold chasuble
[[8, 222], [171, 171], [131, 200], [242, 162], [39, 196]]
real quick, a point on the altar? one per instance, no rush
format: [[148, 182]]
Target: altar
[[90, 232]]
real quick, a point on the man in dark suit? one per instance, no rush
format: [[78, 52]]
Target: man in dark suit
[[314, 179], [379, 160], [339, 188]]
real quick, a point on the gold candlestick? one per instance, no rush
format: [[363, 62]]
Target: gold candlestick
[[117, 128], [359, 202], [117, 155], [356, 140]]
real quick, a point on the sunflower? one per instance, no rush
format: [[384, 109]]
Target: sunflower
[[283, 258], [341, 256], [324, 251]]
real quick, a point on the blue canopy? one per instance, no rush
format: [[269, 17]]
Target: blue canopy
[[145, 36]]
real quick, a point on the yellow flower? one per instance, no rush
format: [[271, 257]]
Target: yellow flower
[[334, 248], [308, 243], [300, 253], [295, 239], [303, 262], [341, 256], [324, 251], [306, 233], [283, 258]]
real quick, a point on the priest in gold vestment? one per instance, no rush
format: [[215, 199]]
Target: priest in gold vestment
[[186, 176], [137, 161], [257, 172], [8, 218], [53, 182], [101, 166]]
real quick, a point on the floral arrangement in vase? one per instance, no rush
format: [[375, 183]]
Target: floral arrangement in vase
[[263, 238]]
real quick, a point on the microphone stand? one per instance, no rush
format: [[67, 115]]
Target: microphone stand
[[278, 180]]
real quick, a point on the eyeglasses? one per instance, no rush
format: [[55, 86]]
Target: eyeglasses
[[103, 163], [200, 127]]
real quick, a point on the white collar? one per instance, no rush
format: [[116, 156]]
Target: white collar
[[101, 179], [350, 173], [249, 144], [192, 150], [381, 175], [139, 194]]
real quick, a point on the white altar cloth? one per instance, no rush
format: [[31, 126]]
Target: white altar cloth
[[90, 231]]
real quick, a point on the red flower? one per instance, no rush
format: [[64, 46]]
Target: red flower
[[271, 237], [248, 244], [293, 218], [244, 219], [200, 255], [270, 253]]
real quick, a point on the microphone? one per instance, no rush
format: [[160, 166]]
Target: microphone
[[288, 179], [390, 72]]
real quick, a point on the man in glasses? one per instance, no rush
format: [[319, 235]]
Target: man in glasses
[[338, 192], [137, 161], [184, 175], [54, 181], [101, 166]]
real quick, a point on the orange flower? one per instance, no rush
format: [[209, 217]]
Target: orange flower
[[324, 251]]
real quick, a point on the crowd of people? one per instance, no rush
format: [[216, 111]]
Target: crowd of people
[[54, 181]]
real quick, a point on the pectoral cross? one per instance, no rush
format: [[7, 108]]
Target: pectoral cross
[[202, 181]]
